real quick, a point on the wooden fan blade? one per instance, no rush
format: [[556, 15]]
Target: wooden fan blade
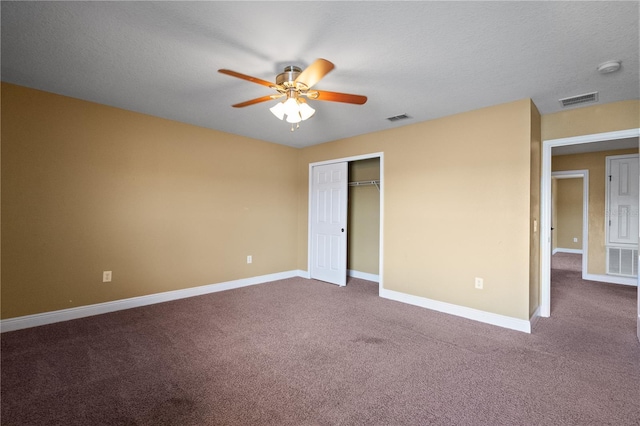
[[340, 97], [257, 101], [247, 77], [314, 72]]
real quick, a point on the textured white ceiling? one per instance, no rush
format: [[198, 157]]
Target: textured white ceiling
[[424, 59]]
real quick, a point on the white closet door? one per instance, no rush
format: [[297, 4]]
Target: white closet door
[[623, 200], [329, 223]]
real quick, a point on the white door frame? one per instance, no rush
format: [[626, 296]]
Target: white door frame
[[545, 204], [584, 175], [379, 155]]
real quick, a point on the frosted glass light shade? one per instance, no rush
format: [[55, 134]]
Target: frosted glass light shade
[[306, 111], [278, 110], [295, 109], [294, 118], [291, 106]]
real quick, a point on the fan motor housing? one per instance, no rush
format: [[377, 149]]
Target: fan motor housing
[[287, 77]]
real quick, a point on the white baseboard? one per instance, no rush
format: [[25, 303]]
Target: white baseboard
[[35, 320], [566, 250], [363, 275], [534, 317], [611, 279], [303, 274], [460, 311]]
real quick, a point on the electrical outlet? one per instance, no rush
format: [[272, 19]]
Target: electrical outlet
[[479, 283], [106, 276], [249, 259], [575, 240]]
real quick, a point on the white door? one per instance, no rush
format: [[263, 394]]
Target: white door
[[329, 223], [623, 200]]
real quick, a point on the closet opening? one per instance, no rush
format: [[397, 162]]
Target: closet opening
[[355, 247]]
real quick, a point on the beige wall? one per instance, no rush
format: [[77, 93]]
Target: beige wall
[[568, 223], [454, 207], [591, 120], [363, 243], [164, 205], [596, 164]]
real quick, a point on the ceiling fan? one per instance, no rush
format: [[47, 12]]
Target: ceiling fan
[[295, 85]]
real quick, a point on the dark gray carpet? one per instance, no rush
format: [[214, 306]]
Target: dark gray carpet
[[299, 352]]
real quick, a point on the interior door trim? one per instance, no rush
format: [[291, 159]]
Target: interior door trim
[[545, 205]]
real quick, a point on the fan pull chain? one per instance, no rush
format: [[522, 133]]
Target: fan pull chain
[[297, 127]]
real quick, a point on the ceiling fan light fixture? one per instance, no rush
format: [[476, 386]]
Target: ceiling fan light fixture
[[295, 109]]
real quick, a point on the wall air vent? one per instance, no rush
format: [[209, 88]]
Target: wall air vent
[[398, 117], [622, 261], [580, 99]]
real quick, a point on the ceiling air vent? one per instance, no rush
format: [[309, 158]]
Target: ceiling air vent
[[580, 99], [398, 117]]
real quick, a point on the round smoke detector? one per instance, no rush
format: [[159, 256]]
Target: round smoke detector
[[608, 67]]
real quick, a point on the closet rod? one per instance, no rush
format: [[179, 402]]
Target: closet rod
[[366, 182]]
